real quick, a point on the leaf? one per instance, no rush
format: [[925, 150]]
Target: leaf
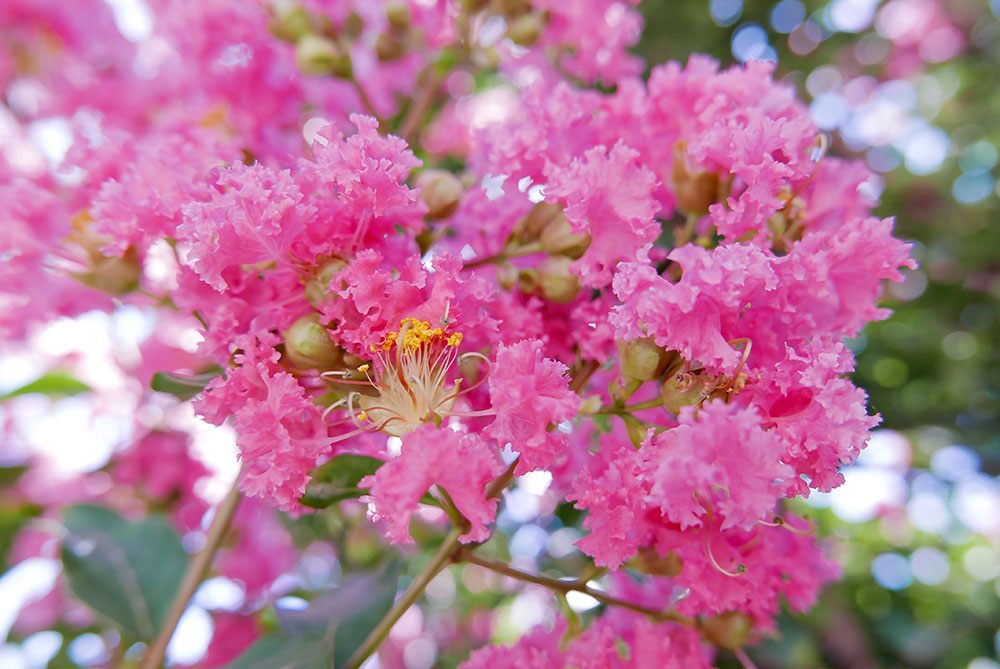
[[376, 597], [12, 519], [181, 387], [330, 629], [128, 572], [278, 651], [10, 475], [338, 479], [54, 384]]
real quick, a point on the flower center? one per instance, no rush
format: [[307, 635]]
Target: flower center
[[413, 387]]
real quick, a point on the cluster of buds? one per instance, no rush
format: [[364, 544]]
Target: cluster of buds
[[320, 49], [546, 229]]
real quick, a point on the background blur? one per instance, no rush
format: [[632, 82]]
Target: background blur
[[910, 86]]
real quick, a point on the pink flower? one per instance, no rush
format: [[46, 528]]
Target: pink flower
[[608, 194], [461, 464], [528, 393], [280, 432], [256, 216], [699, 315], [720, 462]]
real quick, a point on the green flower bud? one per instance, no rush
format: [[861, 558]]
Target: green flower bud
[[321, 56], [289, 22], [398, 15], [526, 28], [353, 25], [308, 344], [441, 191], [558, 238], [114, 275], [531, 226], [389, 47], [318, 289], [643, 360], [649, 562], [682, 389], [555, 281], [512, 7], [728, 630], [695, 189]]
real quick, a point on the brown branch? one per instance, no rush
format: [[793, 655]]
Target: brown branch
[[466, 555]]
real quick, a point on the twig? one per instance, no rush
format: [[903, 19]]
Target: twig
[[410, 125], [196, 570], [383, 126], [465, 555], [506, 255]]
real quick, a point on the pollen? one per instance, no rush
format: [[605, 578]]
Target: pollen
[[413, 387]]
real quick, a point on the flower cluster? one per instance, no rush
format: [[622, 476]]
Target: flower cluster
[[644, 292]]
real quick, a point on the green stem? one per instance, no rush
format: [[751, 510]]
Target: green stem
[[614, 410], [504, 255], [466, 555]]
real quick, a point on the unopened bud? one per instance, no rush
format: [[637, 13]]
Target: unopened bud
[[441, 191], [308, 344], [321, 56], [695, 189], [525, 29], [289, 21], [531, 226], [651, 563], [114, 275], [555, 281], [512, 7], [353, 25], [680, 390], [558, 238], [642, 359], [398, 15], [728, 630], [318, 289], [389, 46]]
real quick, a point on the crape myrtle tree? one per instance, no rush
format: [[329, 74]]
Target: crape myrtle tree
[[426, 271]]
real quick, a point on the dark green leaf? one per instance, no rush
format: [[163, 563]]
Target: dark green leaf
[[12, 519], [54, 384], [364, 602], [128, 572], [181, 387], [330, 629], [338, 479], [279, 651], [10, 475]]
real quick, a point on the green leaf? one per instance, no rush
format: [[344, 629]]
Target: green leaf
[[330, 629], [279, 651], [10, 475], [338, 479], [12, 519], [54, 384], [127, 572], [181, 387]]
